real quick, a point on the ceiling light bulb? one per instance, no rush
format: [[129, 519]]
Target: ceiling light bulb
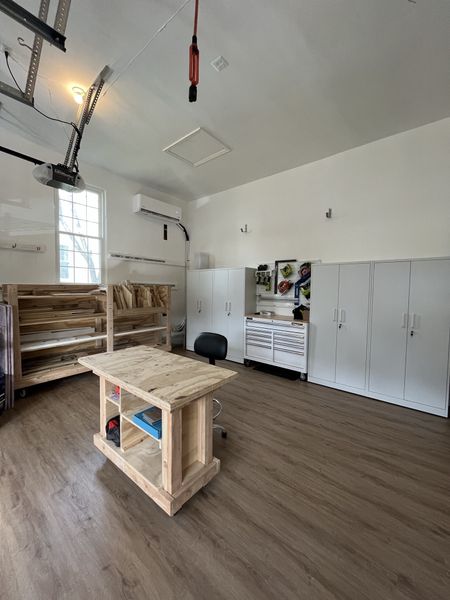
[[78, 94]]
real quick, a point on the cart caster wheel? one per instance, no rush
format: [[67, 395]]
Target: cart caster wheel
[[224, 434], [247, 363], [303, 376], [22, 393]]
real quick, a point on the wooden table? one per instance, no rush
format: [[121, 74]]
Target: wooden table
[[183, 389]]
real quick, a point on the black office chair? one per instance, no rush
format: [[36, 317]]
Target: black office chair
[[213, 346]]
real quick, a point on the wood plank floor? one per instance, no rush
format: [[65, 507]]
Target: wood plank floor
[[322, 495]]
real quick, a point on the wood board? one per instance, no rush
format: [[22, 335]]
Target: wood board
[[166, 380]]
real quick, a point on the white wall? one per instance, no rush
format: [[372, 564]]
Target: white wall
[[27, 214], [390, 199]]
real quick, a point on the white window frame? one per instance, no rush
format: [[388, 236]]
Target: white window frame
[[102, 235]]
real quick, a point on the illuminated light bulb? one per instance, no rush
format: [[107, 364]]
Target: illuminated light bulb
[[78, 94]]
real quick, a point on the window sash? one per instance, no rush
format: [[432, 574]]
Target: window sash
[[74, 273]]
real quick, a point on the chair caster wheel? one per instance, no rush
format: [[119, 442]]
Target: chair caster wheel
[[224, 434], [247, 363], [22, 393]]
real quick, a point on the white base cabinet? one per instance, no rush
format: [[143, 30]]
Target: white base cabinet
[[400, 351], [217, 300]]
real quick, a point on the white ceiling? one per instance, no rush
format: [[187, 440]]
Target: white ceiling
[[306, 80]]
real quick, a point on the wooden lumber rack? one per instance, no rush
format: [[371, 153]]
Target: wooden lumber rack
[[55, 325]]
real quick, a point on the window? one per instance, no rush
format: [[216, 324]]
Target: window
[[80, 236]]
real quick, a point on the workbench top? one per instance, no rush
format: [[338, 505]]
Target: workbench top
[[158, 377]]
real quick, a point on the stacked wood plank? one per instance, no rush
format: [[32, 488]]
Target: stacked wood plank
[[55, 325], [128, 296], [138, 314]]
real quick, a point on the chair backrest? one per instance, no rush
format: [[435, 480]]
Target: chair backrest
[[211, 345]]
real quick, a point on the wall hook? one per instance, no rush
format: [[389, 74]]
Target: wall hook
[[24, 44], [244, 230], [328, 214]]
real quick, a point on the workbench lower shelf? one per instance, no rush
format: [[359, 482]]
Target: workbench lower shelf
[[142, 464]]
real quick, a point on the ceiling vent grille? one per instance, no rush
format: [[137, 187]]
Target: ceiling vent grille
[[197, 148]]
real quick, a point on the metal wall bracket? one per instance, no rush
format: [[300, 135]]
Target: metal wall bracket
[[36, 24], [85, 115], [42, 30], [14, 93]]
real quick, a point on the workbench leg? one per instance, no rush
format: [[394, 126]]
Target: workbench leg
[[109, 318], [102, 406], [205, 429], [171, 450]]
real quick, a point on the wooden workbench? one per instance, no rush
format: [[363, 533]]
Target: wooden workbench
[[182, 388]]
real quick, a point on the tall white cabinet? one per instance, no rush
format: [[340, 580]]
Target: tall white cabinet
[[409, 359], [339, 324], [392, 340], [198, 304], [217, 300]]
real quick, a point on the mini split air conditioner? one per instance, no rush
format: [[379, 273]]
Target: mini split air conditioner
[[145, 205]]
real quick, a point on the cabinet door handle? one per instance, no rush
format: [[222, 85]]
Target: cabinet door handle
[[414, 322], [342, 319], [335, 314], [229, 306], [200, 306], [226, 306], [404, 320]]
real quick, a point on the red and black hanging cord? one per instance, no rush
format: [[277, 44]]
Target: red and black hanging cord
[[194, 60]]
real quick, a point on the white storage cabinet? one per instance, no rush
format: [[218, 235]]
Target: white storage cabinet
[[217, 300], [398, 352], [198, 304], [410, 342], [339, 325]]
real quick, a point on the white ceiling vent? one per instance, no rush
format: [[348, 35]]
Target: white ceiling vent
[[197, 148], [220, 63]]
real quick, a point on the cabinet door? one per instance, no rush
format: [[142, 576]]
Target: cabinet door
[[219, 319], [323, 322], [192, 308], [389, 328], [205, 279], [236, 310], [428, 337], [351, 353]]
